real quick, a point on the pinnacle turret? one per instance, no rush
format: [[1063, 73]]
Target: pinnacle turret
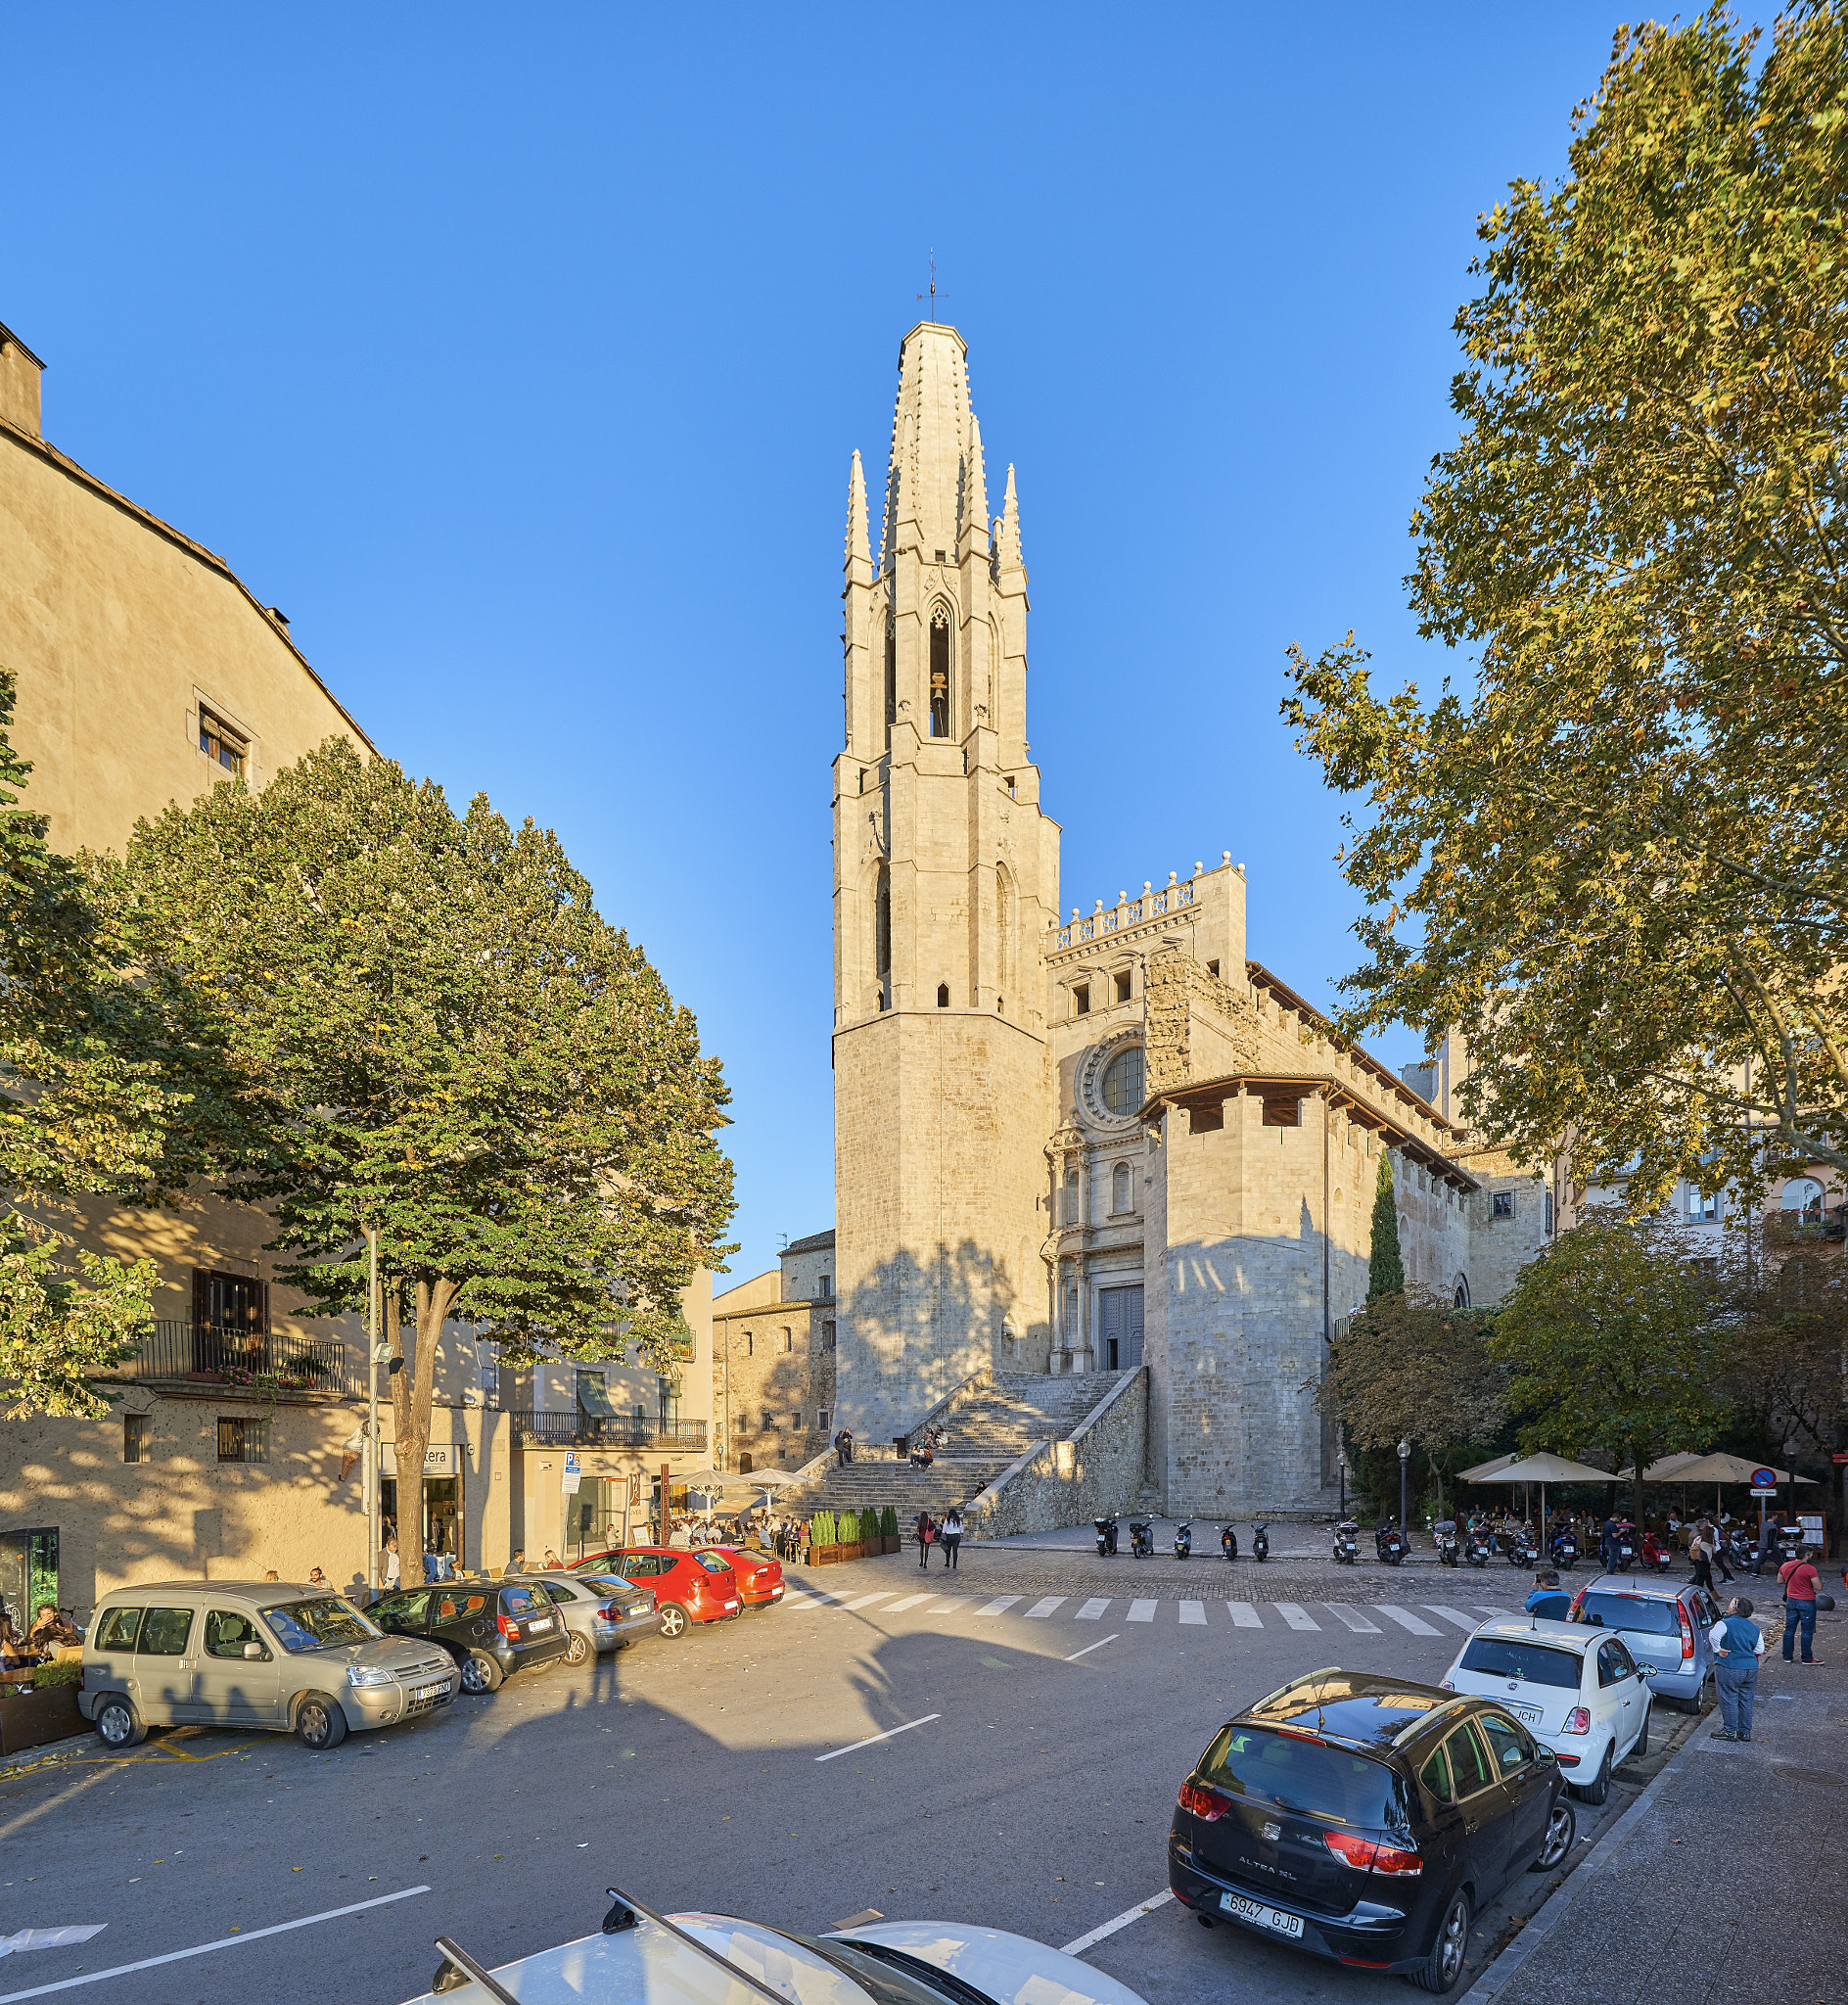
[[975, 494], [1007, 531], [857, 549]]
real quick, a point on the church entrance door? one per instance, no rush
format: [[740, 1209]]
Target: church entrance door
[[1120, 1311]]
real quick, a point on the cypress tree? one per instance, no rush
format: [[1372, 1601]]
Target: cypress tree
[[1385, 1271]]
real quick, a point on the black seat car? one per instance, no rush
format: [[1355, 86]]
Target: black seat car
[[492, 1628], [1368, 1819]]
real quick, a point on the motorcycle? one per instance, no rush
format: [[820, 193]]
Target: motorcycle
[[1443, 1531], [1389, 1542], [1261, 1543], [1522, 1551], [1655, 1553], [1141, 1539], [1106, 1535], [1346, 1542], [1476, 1546], [1183, 1540], [1565, 1551], [1785, 1543], [1739, 1551], [1623, 1549], [1228, 1542]]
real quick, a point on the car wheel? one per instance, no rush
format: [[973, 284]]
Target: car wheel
[[1439, 1970], [116, 1724], [1598, 1788], [1562, 1829], [481, 1674], [1643, 1738], [320, 1724], [673, 1620], [579, 1648]]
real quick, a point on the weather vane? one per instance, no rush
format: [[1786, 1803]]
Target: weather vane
[[933, 291]]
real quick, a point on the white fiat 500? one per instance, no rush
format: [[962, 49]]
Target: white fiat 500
[[1577, 1689]]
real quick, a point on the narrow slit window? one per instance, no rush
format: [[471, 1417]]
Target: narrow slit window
[[943, 995], [891, 677], [882, 929], [939, 674]]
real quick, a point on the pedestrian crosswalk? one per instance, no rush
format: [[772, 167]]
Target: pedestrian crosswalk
[[1356, 1618]]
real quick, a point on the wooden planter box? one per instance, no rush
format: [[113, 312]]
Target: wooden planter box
[[29, 1719], [860, 1549]]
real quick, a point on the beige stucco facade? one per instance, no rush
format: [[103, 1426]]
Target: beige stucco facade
[[1100, 1142], [773, 1352]]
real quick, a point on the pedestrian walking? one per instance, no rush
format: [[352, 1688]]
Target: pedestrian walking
[[1800, 1581], [1701, 1553], [1737, 1645], [926, 1532], [952, 1537], [1717, 1548], [389, 1569]]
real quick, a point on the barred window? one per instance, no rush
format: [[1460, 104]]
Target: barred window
[[243, 1441]]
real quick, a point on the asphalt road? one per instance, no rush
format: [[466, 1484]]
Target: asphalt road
[[1029, 1788]]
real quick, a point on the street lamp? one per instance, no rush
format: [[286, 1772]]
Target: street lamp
[[1341, 1463], [1405, 1462]]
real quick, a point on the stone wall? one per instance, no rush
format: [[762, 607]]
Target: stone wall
[[1100, 1469], [771, 1359]]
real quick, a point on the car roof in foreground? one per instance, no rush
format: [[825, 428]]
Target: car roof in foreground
[[1573, 1636], [1002, 1965], [1363, 1710], [1646, 1589]]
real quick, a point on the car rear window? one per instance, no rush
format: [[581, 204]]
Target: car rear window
[[558, 1592], [1645, 1613], [524, 1601], [1495, 1656], [711, 1563], [603, 1583], [1309, 1777], [316, 1624]]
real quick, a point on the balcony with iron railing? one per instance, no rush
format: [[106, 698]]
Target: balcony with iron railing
[[604, 1430], [194, 1357]]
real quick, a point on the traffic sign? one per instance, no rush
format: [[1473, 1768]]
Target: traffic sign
[[573, 1467], [1764, 1480]]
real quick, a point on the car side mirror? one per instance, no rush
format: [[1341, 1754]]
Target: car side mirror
[[1647, 1670], [255, 1653]]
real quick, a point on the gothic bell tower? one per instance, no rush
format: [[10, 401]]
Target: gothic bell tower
[[946, 878]]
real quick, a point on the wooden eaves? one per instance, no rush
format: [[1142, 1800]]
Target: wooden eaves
[[1207, 1092]]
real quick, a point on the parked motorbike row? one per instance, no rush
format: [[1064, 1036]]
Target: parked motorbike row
[[1142, 1539]]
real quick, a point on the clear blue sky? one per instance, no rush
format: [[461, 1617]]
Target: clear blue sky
[[518, 356]]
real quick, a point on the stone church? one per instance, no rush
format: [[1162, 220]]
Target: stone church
[[1072, 1142]]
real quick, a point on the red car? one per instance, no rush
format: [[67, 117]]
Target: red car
[[688, 1587], [759, 1575]]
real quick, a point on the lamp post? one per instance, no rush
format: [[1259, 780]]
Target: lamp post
[[374, 1458], [1341, 1463], [1405, 1462]]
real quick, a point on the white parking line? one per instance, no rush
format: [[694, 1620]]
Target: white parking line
[[1109, 1928], [1294, 1615], [121, 1970], [1089, 1648], [835, 1754], [1093, 1609], [1407, 1620], [910, 1602], [1193, 1612], [1000, 1602], [1455, 1615], [1352, 1617], [1245, 1616], [1141, 1612], [1041, 1610]]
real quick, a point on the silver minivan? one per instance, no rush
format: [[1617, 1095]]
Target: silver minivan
[[251, 1654]]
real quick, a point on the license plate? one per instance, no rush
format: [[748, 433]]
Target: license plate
[[1529, 1713], [425, 1692], [543, 1623], [1255, 1912]]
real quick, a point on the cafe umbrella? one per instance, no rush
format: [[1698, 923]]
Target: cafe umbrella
[[1543, 1469]]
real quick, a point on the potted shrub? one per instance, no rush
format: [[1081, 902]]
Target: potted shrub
[[889, 1537], [43, 1710]]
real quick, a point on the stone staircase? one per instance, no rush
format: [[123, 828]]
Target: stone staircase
[[988, 1426]]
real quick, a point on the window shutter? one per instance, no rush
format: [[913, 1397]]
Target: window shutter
[[202, 1298], [262, 1308]]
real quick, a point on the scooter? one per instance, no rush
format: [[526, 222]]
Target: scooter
[[1443, 1531], [1655, 1553], [1739, 1551], [1228, 1542], [1565, 1551], [1785, 1543], [1476, 1546], [1389, 1542], [1623, 1549], [1183, 1540], [1261, 1543], [1141, 1539], [1522, 1551], [1106, 1535], [1346, 1542]]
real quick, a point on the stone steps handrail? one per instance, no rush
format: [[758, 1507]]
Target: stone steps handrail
[[1104, 1405]]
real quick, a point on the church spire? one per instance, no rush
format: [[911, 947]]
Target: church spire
[[1007, 531], [858, 551], [975, 494]]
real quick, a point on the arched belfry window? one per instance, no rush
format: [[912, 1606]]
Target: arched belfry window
[[939, 671], [891, 677], [882, 931]]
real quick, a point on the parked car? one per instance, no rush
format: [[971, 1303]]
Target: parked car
[[491, 1629], [688, 1587], [1366, 1818], [1576, 1689], [1662, 1623], [250, 1653], [602, 1612], [886, 1963], [760, 1574]]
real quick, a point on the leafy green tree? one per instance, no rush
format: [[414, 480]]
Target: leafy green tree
[[1385, 1269], [439, 1038], [1617, 857], [1609, 1343], [1412, 1366]]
